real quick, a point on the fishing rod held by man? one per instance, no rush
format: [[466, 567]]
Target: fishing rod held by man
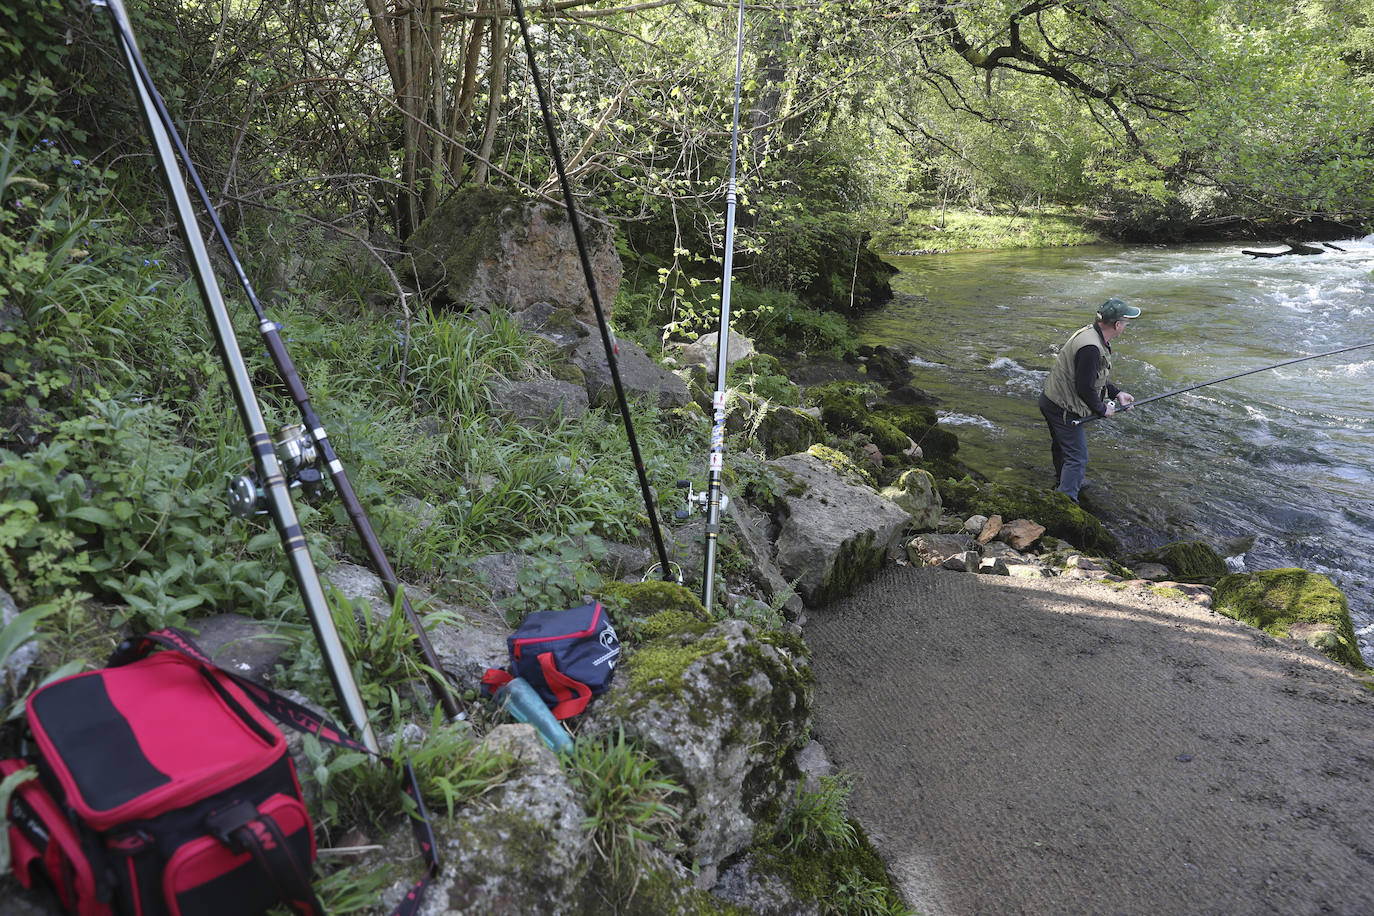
[[1286, 362]]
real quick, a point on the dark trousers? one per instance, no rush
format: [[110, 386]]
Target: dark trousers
[[1068, 447]]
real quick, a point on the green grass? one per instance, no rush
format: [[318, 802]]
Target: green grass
[[929, 230]]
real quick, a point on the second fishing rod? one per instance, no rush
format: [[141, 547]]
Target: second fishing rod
[[1215, 381]]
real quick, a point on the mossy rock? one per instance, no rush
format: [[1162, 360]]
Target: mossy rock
[[842, 464], [1292, 603], [920, 424], [651, 597], [700, 386], [1189, 561], [566, 371], [1061, 516], [785, 431], [844, 406]]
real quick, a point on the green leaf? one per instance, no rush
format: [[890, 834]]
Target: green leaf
[[95, 515]]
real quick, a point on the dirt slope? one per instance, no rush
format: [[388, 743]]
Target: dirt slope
[[1061, 747]]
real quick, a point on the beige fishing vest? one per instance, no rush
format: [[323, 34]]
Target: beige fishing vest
[[1060, 388]]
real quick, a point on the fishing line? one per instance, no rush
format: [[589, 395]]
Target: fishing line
[[276, 493], [1287, 362], [557, 155], [313, 426], [717, 458]]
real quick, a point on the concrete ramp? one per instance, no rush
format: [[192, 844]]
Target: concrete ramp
[[1062, 747]]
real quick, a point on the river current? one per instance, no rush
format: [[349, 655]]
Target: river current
[[1275, 469]]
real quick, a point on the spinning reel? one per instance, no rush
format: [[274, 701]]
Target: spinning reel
[[697, 501], [300, 466]]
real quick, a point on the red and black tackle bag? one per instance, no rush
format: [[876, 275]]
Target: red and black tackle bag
[[163, 790], [567, 656]]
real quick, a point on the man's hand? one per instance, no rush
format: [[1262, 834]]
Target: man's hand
[[1125, 400], [1111, 408]]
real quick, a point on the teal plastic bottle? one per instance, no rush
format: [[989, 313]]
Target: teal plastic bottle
[[525, 704]]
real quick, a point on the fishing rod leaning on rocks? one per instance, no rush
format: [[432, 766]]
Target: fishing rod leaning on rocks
[[1287, 362], [716, 501], [607, 342], [304, 448], [276, 490]]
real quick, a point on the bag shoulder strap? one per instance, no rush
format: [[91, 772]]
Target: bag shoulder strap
[[307, 721], [573, 695], [242, 828]]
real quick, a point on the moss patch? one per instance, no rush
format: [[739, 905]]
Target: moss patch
[[1292, 603], [857, 560], [1189, 561], [848, 880], [644, 599], [919, 423], [657, 667]]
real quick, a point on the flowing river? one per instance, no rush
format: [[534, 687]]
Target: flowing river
[[1273, 470]]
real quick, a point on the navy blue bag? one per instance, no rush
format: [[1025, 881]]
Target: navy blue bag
[[567, 656]]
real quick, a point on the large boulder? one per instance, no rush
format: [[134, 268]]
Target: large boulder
[[1189, 561], [723, 707], [835, 528], [1292, 603], [488, 248]]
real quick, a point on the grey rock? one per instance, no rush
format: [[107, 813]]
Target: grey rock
[[247, 647], [521, 849], [539, 402], [934, 549], [737, 761], [1155, 572], [915, 492], [640, 376], [485, 248], [760, 892], [751, 528], [836, 529], [22, 658], [703, 351], [815, 764], [993, 566], [964, 561]]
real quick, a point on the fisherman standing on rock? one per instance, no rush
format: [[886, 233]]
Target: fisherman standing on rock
[[1077, 389]]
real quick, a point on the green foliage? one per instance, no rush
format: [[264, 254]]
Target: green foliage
[[818, 818], [453, 769], [826, 855], [111, 505], [626, 799], [15, 635], [384, 652], [557, 572]]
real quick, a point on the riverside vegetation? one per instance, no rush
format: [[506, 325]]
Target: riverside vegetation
[[119, 435], [119, 441]]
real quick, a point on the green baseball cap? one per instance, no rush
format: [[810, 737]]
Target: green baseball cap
[[1114, 310]]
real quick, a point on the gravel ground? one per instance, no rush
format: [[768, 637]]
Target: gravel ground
[[1063, 747]]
